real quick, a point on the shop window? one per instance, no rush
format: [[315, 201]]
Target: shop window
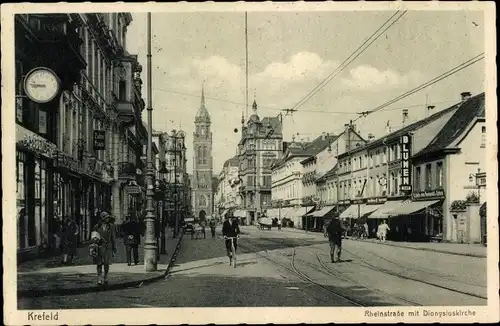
[[483, 137], [21, 201]]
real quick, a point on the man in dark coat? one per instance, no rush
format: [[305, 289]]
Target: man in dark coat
[[132, 239], [230, 229], [335, 231]]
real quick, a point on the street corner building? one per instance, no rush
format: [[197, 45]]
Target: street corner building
[[79, 135], [203, 194]]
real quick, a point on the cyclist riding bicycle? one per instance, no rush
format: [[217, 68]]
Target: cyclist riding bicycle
[[230, 229]]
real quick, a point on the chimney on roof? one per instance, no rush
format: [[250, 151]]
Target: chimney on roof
[[370, 137], [429, 109], [405, 116], [323, 135], [388, 128], [465, 96]]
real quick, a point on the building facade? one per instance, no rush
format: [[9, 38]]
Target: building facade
[[261, 143], [177, 199], [65, 145], [227, 194], [202, 163], [406, 175], [450, 170]]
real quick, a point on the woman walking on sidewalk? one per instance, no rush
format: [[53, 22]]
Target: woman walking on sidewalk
[[104, 236], [69, 238]]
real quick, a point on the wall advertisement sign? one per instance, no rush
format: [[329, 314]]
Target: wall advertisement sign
[[405, 185], [99, 140]]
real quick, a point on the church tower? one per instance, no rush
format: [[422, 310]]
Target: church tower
[[202, 163]]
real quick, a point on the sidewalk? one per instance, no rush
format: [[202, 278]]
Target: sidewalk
[[41, 277], [461, 249]]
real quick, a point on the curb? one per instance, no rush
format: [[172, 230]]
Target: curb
[[407, 247], [436, 250], [118, 286]]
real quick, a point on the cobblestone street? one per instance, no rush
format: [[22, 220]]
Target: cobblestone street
[[369, 275]]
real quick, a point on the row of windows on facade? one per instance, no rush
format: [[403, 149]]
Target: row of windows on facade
[[250, 200], [380, 156], [250, 163], [265, 181]]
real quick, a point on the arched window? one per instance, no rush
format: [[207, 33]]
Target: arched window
[[200, 155], [202, 202], [204, 155]]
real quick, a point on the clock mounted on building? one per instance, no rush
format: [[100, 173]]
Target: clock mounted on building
[[41, 85]]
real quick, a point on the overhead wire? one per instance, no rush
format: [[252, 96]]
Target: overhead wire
[[362, 48], [280, 110], [431, 82]]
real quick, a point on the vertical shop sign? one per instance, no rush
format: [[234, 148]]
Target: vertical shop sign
[[405, 164]]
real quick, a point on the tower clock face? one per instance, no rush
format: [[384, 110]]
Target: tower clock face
[[41, 85]]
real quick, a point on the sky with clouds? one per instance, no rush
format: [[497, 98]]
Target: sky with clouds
[[290, 53]]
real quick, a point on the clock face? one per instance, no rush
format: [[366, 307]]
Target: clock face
[[41, 85]]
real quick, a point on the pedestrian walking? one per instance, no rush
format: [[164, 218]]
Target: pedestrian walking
[[132, 238], [366, 232], [103, 246], [279, 224], [335, 231], [382, 231], [212, 227], [202, 225], [69, 239]]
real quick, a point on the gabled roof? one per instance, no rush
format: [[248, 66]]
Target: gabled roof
[[318, 145], [396, 135], [327, 174], [468, 111], [295, 149]]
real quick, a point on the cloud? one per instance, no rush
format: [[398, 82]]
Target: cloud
[[366, 77]]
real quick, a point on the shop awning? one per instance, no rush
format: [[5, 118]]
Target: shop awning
[[286, 212], [369, 209], [409, 207], [273, 212], [240, 213], [300, 211], [385, 210], [322, 212], [350, 212]]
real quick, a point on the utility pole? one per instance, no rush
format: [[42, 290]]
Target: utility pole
[[150, 260]]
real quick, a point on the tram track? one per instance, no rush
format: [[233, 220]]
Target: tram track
[[327, 271], [401, 276], [406, 267], [292, 269], [347, 279]]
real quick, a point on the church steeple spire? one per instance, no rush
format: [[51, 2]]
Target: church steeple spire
[[202, 115], [202, 95]]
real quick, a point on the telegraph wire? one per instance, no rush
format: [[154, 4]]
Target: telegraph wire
[[362, 48], [431, 82], [281, 110]]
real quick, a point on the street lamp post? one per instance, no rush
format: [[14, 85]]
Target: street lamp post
[[477, 177], [163, 174], [150, 259]]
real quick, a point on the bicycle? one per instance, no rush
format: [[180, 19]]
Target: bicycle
[[233, 250]]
